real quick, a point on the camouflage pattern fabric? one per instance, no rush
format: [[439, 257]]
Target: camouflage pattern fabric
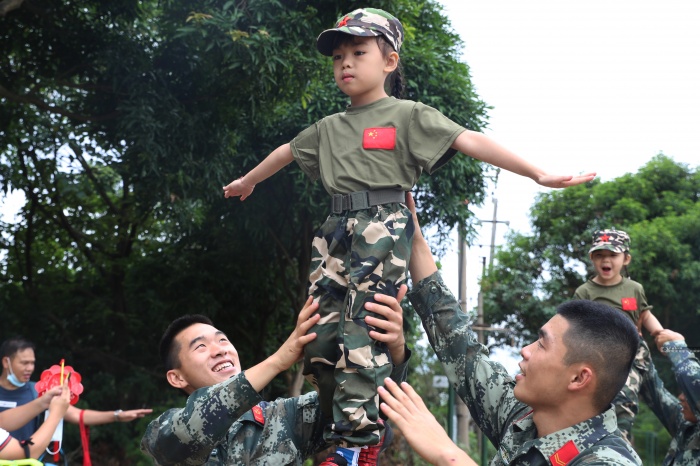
[[354, 256], [364, 22], [685, 443], [216, 427], [487, 389], [610, 240], [627, 401]]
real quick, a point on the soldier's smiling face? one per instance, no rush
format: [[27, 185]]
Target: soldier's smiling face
[[206, 357], [544, 376]]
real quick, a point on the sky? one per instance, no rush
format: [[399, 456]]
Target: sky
[[576, 87]]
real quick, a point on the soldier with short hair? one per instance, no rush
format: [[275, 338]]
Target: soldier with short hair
[[558, 409], [225, 421]]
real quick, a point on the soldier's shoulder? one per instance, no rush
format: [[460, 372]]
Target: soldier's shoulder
[[610, 453]]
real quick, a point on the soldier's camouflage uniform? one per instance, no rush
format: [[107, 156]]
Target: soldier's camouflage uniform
[[487, 389], [685, 444], [218, 426]]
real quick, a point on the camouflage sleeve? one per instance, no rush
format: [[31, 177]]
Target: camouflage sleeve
[[483, 384], [665, 406], [687, 370], [187, 436]]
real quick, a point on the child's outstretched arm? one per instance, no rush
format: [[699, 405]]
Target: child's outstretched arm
[[651, 323], [481, 147], [243, 186]]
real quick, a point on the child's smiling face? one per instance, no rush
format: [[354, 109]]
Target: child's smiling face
[[608, 266]]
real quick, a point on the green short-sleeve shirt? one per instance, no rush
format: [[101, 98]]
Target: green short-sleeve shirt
[[627, 296], [386, 144]]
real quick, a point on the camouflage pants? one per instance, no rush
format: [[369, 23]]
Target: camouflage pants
[[626, 402], [354, 256]]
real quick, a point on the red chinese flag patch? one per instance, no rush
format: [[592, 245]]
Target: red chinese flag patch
[[565, 454], [379, 138], [258, 414], [629, 304]]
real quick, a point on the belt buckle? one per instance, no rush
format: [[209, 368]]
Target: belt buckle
[[359, 200], [337, 203]]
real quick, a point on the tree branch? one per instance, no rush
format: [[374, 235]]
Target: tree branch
[[40, 104], [91, 176]]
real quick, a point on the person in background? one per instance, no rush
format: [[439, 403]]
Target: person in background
[[16, 389], [56, 401]]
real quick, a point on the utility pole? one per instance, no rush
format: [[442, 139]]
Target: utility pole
[[464, 419]]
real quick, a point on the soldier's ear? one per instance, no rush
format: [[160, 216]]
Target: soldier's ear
[[582, 378], [176, 379]]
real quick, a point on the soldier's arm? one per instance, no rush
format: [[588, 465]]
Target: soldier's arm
[[662, 402], [685, 367], [389, 325], [188, 435], [483, 384]]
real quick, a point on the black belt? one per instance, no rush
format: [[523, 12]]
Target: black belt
[[365, 199]]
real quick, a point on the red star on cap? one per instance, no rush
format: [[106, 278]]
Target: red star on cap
[[605, 238], [343, 22]]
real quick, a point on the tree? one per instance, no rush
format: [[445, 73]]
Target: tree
[[119, 123], [658, 206]]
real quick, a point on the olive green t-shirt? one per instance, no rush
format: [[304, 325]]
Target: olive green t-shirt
[[386, 144], [627, 296]]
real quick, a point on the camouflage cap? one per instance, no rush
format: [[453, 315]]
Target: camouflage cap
[[611, 240], [367, 22]]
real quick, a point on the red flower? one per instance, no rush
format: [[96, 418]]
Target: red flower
[[52, 378], [343, 22]]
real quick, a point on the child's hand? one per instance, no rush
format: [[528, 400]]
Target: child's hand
[[238, 188], [557, 181]]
